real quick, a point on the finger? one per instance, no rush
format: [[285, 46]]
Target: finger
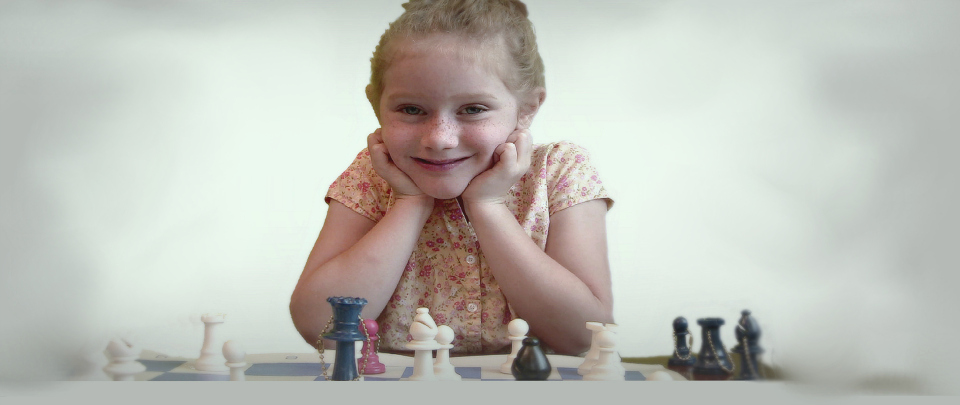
[[378, 155], [524, 145], [375, 136], [512, 138], [523, 140], [508, 155]]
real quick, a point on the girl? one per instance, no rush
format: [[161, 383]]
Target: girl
[[451, 207]]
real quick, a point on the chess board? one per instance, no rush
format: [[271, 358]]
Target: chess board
[[306, 367]]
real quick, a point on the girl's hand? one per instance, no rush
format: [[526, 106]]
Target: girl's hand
[[511, 160], [402, 185]]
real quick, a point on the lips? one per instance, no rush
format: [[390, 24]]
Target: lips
[[438, 165]]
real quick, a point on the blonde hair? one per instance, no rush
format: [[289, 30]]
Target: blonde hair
[[481, 20]]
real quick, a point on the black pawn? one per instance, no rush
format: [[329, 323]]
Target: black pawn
[[681, 354], [748, 336], [531, 363]]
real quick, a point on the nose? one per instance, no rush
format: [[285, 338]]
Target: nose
[[441, 133]]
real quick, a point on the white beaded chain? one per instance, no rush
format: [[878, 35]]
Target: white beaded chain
[[746, 351], [323, 364], [714, 349], [677, 350]]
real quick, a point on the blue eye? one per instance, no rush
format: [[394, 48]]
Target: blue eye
[[411, 110], [473, 110]]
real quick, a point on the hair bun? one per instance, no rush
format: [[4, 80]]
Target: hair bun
[[515, 6]]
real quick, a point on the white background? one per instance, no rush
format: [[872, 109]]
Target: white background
[[165, 159]]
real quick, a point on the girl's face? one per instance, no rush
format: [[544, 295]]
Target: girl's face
[[443, 111]]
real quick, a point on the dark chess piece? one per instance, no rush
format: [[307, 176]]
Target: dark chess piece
[[682, 355], [748, 336], [531, 363], [369, 361], [346, 332], [713, 358]]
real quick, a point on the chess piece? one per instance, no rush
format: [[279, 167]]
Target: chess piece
[[123, 360], [607, 367], [591, 357], [713, 358], [92, 361], [517, 329], [531, 364], [682, 355], [748, 336], [616, 360], [211, 357], [442, 367], [424, 331], [235, 355], [346, 332], [369, 362]]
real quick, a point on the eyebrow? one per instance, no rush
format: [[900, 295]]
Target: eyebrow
[[470, 96]]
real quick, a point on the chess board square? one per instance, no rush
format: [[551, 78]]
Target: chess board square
[[635, 376], [191, 377], [568, 373], [286, 369], [162, 365], [472, 373], [376, 378], [495, 375]]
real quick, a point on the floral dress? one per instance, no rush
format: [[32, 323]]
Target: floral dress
[[446, 271]]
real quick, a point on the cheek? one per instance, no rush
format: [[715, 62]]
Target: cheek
[[488, 135], [394, 137]]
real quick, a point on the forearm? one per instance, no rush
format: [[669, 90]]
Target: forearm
[[554, 301], [370, 268]]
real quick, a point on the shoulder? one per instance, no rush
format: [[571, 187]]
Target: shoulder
[[561, 156], [559, 149], [564, 170], [361, 163], [360, 188]]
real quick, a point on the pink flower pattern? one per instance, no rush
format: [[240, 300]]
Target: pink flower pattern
[[446, 272]]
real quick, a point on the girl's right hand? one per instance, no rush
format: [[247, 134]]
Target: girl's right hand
[[402, 185]]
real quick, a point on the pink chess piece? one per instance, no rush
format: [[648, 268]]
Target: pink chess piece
[[368, 354]]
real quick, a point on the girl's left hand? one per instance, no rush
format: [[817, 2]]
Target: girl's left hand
[[511, 160]]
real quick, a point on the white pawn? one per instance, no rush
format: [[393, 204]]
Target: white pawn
[[423, 330], [591, 358], [235, 355], [123, 360], [517, 329], [211, 359], [608, 367], [442, 367], [93, 360]]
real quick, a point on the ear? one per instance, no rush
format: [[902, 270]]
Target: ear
[[529, 107], [373, 103]]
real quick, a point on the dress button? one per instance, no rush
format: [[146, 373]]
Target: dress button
[[472, 307], [471, 259]]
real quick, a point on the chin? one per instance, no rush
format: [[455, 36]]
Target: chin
[[443, 193]]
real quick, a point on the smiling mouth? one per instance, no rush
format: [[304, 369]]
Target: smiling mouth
[[439, 165]]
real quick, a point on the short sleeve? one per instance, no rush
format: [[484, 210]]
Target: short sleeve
[[571, 179], [361, 189]]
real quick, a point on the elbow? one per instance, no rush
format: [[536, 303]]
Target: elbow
[[301, 320], [578, 341]]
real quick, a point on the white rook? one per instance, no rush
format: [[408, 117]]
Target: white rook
[[211, 356]]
